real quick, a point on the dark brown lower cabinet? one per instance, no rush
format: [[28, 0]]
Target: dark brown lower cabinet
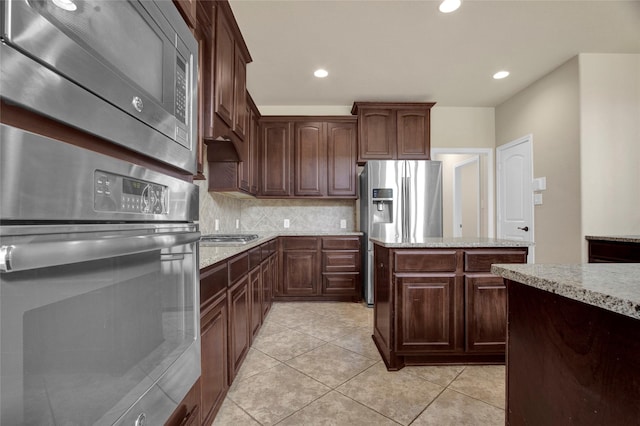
[[214, 359], [255, 284], [616, 250], [239, 302], [440, 305], [319, 268]]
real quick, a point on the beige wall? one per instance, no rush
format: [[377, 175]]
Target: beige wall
[[610, 144], [455, 127], [549, 110]]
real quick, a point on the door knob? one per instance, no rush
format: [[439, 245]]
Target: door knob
[[525, 229]]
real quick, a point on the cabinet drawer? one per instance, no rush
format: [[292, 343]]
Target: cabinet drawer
[[481, 260], [425, 261], [299, 243], [341, 243], [340, 261], [213, 280], [340, 284], [255, 257], [238, 267]]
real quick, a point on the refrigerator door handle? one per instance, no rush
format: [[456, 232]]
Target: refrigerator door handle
[[406, 207]]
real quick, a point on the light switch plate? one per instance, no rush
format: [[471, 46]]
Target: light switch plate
[[537, 199], [540, 184]]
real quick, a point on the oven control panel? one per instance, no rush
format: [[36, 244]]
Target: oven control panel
[[122, 194]]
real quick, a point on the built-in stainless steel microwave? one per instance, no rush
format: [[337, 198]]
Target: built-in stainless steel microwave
[[123, 70]]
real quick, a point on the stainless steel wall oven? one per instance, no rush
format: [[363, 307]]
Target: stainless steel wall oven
[[123, 70], [98, 287]]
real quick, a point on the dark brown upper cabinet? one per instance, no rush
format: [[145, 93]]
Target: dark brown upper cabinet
[[393, 130], [321, 152], [230, 86], [187, 9]]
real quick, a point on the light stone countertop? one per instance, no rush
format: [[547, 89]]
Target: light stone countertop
[[611, 286], [210, 254], [616, 238], [451, 243]]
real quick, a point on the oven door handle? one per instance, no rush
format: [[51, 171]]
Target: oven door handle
[[22, 257]]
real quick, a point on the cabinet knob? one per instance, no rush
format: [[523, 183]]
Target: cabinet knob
[[381, 265]]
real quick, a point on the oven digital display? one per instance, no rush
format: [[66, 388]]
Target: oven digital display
[[132, 187]]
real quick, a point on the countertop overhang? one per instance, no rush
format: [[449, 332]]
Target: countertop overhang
[[450, 243], [611, 286]]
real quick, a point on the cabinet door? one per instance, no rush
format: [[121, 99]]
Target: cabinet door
[[377, 134], [239, 325], [383, 298], [485, 313], [255, 280], [213, 378], [224, 69], [300, 273], [413, 134], [275, 164], [341, 159], [310, 156], [426, 314], [267, 285], [240, 111]]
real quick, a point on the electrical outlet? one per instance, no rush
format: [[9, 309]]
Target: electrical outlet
[[343, 224], [286, 223], [237, 223], [216, 225]]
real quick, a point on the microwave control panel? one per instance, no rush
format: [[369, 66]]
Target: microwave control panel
[[122, 194]]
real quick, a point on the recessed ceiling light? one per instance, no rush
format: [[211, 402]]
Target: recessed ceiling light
[[501, 74], [67, 5], [321, 73], [448, 6]]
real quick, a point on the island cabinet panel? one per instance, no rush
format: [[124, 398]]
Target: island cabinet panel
[[486, 313], [426, 314], [440, 305], [569, 362]]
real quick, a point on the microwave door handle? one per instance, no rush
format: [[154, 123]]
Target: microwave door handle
[[22, 257]]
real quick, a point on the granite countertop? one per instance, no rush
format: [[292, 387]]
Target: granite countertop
[[210, 254], [617, 238], [450, 242], [611, 286]]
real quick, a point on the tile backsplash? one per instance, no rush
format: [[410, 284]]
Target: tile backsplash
[[269, 214]]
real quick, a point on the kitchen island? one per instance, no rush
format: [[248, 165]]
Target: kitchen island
[[573, 344], [436, 301]]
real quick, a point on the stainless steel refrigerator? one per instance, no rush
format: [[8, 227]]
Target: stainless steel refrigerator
[[400, 201]]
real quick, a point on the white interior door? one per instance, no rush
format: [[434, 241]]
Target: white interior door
[[515, 191]]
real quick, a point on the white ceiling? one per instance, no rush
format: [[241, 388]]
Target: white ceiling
[[398, 50]]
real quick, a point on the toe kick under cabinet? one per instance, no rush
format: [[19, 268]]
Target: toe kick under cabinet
[[440, 305]]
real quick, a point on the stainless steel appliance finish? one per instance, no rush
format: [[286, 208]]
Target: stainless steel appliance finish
[[122, 70], [99, 302], [399, 201]]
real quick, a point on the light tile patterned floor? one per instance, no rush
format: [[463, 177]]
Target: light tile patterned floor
[[315, 364]]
